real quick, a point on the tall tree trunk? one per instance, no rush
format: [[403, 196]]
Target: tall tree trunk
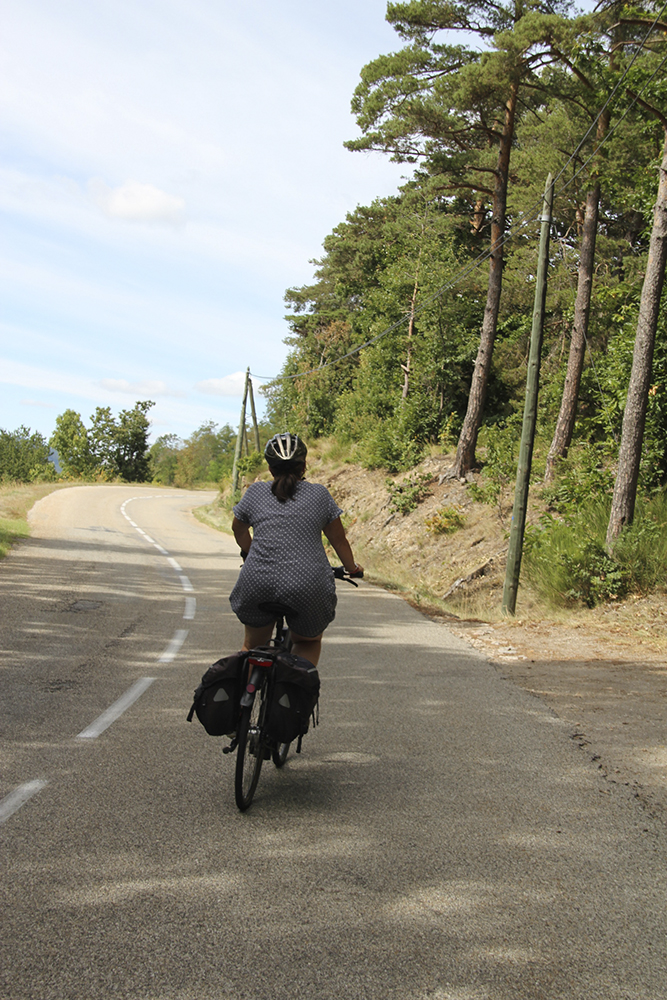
[[575, 362], [413, 305], [465, 452], [634, 418], [411, 330]]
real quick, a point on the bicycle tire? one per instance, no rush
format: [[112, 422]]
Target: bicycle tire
[[249, 753], [279, 755]]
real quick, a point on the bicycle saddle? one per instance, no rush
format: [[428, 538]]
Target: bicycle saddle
[[280, 610]]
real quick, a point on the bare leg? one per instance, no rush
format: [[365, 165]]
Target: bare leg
[[309, 648], [257, 636]]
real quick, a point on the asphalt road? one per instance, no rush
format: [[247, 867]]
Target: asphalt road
[[441, 837]]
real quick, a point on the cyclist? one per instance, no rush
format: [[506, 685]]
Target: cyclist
[[285, 561]]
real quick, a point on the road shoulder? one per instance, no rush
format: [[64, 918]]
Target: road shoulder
[[611, 690]]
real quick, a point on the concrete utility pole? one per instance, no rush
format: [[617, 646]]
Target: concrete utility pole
[[239, 437], [515, 550], [254, 415]]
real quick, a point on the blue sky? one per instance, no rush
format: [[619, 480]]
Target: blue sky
[[168, 169]]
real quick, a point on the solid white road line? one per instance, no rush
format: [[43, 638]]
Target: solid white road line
[[172, 649], [115, 711], [19, 797], [190, 608]]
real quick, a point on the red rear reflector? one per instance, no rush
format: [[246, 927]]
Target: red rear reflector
[[257, 661]]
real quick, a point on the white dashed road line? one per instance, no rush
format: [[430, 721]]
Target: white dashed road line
[[190, 603], [115, 711], [19, 797], [174, 646]]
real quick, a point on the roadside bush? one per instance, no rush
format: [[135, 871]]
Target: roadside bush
[[445, 521], [581, 478], [565, 559], [642, 548], [386, 445], [499, 464], [250, 465], [404, 497]]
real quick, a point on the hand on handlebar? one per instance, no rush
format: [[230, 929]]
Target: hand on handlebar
[[341, 574]]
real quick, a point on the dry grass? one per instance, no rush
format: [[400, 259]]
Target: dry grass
[[16, 499]]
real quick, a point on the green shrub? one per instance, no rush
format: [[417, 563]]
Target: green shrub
[[387, 445], [565, 559], [250, 465], [484, 492], [580, 479], [593, 575], [499, 464], [642, 548], [445, 521], [404, 497]]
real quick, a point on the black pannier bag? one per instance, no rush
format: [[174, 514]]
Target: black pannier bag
[[217, 699], [294, 695]]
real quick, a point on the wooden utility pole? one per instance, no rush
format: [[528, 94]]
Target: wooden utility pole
[[254, 415], [239, 437], [529, 413]]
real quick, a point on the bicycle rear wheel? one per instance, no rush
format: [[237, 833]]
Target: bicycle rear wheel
[[249, 752]]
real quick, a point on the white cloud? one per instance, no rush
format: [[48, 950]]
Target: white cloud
[[136, 202], [230, 385], [147, 387]]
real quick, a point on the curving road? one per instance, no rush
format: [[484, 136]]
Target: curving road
[[440, 838]]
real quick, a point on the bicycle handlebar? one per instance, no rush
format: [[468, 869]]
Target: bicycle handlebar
[[341, 574]]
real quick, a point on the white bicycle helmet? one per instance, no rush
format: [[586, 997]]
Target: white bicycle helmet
[[285, 448]]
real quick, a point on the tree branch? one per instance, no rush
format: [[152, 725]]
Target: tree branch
[[648, 23], [650, 108], [570, 65]]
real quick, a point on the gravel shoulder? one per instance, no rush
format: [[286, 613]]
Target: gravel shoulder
[[609, 686]]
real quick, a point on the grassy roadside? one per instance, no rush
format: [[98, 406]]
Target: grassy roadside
[[16, 499], [214, 516]]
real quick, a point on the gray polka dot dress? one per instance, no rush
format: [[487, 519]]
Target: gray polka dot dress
[[287, 562]]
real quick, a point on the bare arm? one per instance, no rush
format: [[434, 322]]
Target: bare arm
[[335, 532], [242, 535]]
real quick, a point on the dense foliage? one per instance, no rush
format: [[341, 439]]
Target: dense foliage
[[416, 265], [111, 448], [24, 456]]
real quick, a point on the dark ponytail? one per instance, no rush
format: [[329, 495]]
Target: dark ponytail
[[286, 477]]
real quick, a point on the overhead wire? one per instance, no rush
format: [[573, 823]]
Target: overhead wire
[[532, 214]]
